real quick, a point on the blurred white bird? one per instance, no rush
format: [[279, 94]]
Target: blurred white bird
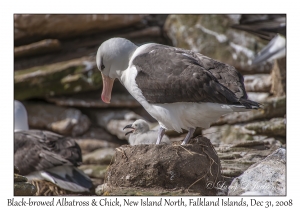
[[43, 155], [271, 27], [275, 49], [141, 134]]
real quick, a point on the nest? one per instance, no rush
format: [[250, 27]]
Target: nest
[[194, 167]]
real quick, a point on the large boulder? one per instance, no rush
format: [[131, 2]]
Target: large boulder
[[279, 77], [213, 36], [68, 77], [99, 156], [257, 83], [238, 157], [62, 120], [259, 130], [31, 27], [22, 187], [37, 48], [267, 177], [93, 99], [273, 127]]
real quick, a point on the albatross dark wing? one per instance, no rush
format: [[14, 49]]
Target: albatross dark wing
[[36, 150], [169, 75]]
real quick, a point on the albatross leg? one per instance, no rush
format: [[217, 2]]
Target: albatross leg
[[188, 136], [160, 135]]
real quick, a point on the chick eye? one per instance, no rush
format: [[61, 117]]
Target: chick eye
[[102, 67]]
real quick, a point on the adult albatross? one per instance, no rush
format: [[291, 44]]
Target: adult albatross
[[181, 89], [43, 155]]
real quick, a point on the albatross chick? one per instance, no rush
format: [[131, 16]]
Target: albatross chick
[[141, 134]]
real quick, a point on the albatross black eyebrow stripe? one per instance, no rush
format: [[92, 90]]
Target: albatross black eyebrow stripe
[[102, 65]]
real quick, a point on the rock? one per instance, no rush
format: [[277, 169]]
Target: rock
[[258, 97], [100, 189], [19, 178], [115, 127], [113, 120], [95, 171], [21, 186], [99, 156], [66, 121], [230, 134], [212, 36], [273, 107], [97, 133], [90, 145], [150, 31], [92, 99], [96, 182], [55, 79], [24, 189], [165, 167], [267, 177], [237, 158], [273, 127], [101, 117], [257, 83], [37, 48], [279, 78], [88, 45], [16, 170], [31, 27]]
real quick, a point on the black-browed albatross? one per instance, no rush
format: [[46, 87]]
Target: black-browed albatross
[[181, 89], [43, 155]]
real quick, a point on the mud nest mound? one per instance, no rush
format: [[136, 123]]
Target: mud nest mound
[[193, 168]]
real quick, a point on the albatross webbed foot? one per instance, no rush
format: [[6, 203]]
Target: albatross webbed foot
[[188, 136], [160, 135]]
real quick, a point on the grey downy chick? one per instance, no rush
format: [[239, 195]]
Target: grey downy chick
[[141, 134]]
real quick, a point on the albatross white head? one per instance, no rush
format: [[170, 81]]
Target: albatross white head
[[112, 58], [20, 114]]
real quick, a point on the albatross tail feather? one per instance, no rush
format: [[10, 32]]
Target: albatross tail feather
[[66, 177], [70, 179], [250, 104]]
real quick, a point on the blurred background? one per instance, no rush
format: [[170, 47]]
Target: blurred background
[[56, 78]]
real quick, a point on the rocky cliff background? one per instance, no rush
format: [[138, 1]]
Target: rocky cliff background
[[56, 77]]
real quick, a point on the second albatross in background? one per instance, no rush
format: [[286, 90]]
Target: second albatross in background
[[43, 155]]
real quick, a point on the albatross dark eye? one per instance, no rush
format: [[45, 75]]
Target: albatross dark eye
[[102, 67]]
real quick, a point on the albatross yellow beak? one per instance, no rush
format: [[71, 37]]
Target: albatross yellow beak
[[107, 88]]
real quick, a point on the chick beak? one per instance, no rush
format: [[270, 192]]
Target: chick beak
[[129, 126]]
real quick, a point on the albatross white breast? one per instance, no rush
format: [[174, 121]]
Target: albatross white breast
[[181, 89]]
